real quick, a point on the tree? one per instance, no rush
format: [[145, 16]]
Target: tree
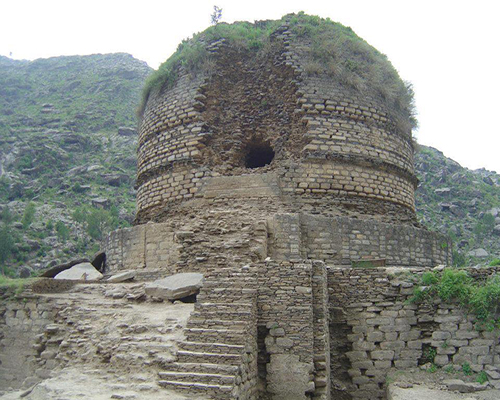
[[7, 244], [216, 15], [62, 231], [29, 215]]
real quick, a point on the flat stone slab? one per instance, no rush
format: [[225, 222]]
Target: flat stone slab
[[122, 276], [464, 387], [176, 286], [80, 272]]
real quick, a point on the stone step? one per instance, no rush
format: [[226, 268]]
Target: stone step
[[204, 368], [144, 346], [217, 391], [221, 348], [230, 280], [229, 336], [209, 358], [241, 315], [214, 306], [229, 291], [225, 295], [201, 377], [216, 323]]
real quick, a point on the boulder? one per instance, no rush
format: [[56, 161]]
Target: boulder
[[494, 212], [52, 272], [488, 181], [24, 272], [443, 191], [125, 131], [480, 253], [122, 276], [101, 202], [80, 272], [175, 286]]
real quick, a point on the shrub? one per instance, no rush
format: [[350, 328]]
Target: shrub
[[485, 226], [482, 298], [7, 244], [62, 231], [334, 49], [466, 369], [29, 215], [482, 377]]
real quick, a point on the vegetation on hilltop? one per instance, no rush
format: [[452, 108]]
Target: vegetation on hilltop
[[333, 49]]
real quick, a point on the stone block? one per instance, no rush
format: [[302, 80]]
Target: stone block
[[382, 355]]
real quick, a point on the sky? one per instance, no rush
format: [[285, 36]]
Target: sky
[[448, 50]]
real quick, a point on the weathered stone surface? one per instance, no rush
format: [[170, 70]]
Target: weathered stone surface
[[175, 286], [420, 392], [123, 276], [83, 271], [288, 378], [464, 387]]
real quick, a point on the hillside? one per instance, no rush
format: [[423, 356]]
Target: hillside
[[66, 167], [462, 203]]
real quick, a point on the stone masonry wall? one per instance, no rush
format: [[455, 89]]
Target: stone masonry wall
[[332, 144], [23, 360], [285, 308], [169, 247], [152, 247], [383, 330], [169, 143], [341, 241], [342, 179]]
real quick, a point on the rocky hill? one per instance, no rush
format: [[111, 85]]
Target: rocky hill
[[464, 204], [67, 154], [67, 165]]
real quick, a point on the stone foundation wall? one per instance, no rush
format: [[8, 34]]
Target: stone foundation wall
[[383, 330], [342, 241], [23, 359], [169, 247]]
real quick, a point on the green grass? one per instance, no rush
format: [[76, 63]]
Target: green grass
[[334, 49], [481, 298], [482, 377], [15, 285]]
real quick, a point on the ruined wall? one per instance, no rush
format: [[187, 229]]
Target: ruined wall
[[373, 328], [334, 148], [292, 305], [169, 144], [24, 360], [166, 248], [151, 247], [341, 241]]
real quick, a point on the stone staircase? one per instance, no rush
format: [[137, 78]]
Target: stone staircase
[[217, 359]]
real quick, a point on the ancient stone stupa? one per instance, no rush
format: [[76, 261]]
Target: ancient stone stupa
[[276, 158]]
